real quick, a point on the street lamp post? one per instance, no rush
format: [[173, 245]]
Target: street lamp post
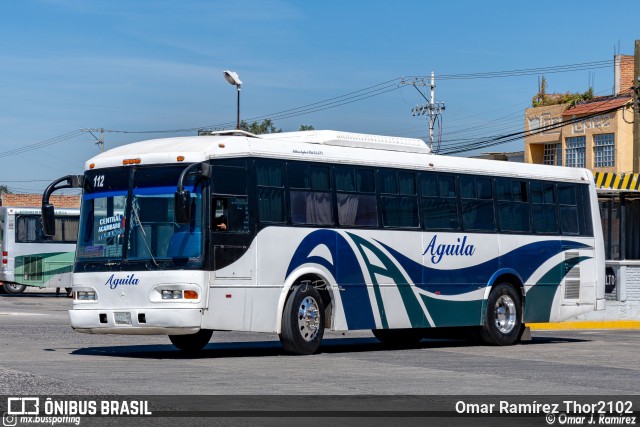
[[233, 79]]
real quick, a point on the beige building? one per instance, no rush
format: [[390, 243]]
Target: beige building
[[598, 134]]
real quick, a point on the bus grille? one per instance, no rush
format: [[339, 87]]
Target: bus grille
[[572, 277]]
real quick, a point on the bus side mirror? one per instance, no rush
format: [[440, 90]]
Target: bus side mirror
[[182, 206], [48, 220]]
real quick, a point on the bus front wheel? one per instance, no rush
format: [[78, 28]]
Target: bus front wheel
[[303, 321], [13, 288], [192, 343], [503, 318]]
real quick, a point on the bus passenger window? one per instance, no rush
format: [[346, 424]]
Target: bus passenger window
[[439, 204], [477, 204], [543, 209], [568, 206]]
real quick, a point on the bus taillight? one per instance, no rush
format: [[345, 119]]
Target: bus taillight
[[5, 257]]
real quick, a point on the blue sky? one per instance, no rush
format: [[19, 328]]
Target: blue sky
[[156, 65]]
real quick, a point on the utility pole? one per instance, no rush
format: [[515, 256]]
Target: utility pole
[[432, 117], [636, 108], [433, 108], [99, 141]]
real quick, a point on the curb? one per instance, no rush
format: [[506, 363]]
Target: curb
[[586, 324]]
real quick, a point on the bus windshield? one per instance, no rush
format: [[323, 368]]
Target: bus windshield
[[128, 215]]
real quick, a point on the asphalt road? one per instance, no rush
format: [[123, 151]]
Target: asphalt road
[[41, 354]]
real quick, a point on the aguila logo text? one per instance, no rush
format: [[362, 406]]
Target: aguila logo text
[[437, 251], [114, 282]]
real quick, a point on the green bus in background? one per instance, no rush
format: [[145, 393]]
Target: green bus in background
[[31, 259]]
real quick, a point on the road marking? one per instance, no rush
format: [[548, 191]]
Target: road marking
[[21, 314], [586, 324]]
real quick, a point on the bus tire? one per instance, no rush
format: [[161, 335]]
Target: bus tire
[[399, 337], [503, 318], [192, 343], [303, 321], [14, 288]]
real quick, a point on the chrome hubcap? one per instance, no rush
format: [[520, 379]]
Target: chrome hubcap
[[308, 318], [505, 314]]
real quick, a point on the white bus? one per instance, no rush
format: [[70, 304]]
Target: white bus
[[295, 233], [31, 259]]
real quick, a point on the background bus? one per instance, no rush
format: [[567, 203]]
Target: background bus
[[31, 259], [329, 230]]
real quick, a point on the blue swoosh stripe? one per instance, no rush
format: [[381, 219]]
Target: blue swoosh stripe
[[525, 260]]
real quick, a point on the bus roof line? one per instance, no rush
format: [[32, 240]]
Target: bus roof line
[[233, 132]]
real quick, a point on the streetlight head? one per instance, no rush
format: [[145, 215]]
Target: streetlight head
[[232, 78]]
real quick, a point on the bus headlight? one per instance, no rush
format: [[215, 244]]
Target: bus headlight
[[171, 294], [179, 294], [85, 295], [176, 293]]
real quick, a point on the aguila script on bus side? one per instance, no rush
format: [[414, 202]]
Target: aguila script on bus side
[[437, 251]]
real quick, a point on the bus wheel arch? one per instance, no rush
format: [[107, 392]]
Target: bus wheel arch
[[503, 317], [306, 312]]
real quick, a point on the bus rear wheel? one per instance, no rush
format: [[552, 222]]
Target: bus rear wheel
[[192, 343], [303, 321], [399, 337], [14, 288], [503, 318]]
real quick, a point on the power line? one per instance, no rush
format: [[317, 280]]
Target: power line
[[334, 102], [28, 180], [502, 139], [47, 142], [526, 71], [382, 88]]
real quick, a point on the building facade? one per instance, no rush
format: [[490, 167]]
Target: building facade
[[598, 135]]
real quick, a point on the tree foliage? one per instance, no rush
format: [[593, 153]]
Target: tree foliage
[[266, 126], [543, 99], [256, 128], [5, 190]]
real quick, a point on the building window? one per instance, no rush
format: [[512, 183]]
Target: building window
[[576, 152], [603, 146], [552, 154]]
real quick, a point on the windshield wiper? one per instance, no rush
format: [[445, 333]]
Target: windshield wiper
[[144, 235]]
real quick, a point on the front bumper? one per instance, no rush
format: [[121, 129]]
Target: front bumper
[[179, 321]]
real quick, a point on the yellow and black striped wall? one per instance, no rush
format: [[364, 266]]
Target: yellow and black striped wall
[[614, 181]]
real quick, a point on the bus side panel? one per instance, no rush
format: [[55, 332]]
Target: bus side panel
[[599, 257], [563, 287], [384, 282], [44, 269]]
